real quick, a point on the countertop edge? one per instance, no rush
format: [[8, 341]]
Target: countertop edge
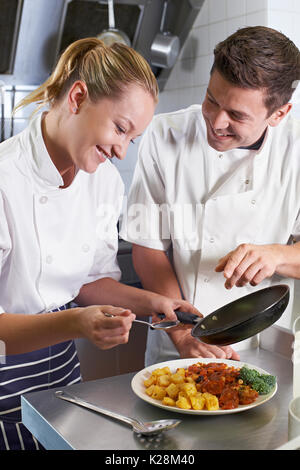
[[44, 431]]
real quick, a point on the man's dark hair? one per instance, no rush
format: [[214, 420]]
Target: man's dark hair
[[260, 58]]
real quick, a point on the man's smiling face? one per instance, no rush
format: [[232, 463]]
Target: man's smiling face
[[234, 116]]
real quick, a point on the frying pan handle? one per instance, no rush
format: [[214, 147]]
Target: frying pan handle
[[184, 317]]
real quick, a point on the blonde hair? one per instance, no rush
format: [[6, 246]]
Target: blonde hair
[[106, 70]]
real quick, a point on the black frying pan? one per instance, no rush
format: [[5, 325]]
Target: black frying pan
[[240, 319]]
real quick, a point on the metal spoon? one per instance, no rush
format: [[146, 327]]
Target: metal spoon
[[162, 325], [139, 427]]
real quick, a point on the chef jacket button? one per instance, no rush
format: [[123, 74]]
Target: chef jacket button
[[206, 279], [85, 247], [49, 259], [253, 202], [247, 181], [43, 199], [211, 240], [221, 155]]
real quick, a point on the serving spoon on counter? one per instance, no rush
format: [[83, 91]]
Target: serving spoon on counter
[[149, 428]]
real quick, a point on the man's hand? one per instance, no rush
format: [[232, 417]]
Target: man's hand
[[188, 346], [167, 306], [250, 264]]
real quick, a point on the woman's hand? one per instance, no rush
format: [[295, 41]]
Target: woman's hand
[[105, 332]]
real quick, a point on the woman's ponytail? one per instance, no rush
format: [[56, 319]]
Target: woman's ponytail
[[104, 69]]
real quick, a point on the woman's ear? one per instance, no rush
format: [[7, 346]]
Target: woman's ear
[[279, 114], [77, 94]]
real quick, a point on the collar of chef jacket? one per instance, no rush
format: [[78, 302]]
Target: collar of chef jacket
[[242, 179], [40, 160]]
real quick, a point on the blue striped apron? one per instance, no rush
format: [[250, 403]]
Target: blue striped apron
[[53, 366]]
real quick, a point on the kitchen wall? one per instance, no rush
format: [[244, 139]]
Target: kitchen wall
[[216, 20], [285, 17]]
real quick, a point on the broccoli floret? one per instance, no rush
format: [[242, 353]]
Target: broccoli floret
[[262, 383], [261, 386], [248, 375], [269, 379]]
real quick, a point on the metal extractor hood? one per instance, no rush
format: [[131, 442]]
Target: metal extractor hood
[[40, 29]]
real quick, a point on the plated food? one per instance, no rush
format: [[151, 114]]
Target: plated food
[[204, 387]]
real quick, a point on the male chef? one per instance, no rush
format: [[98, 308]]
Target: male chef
[[213, 211]]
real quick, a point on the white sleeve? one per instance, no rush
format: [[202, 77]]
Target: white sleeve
[[146, 218], [5, 242], [105, 262]]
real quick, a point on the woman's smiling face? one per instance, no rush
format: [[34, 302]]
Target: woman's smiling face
[[104, 129]]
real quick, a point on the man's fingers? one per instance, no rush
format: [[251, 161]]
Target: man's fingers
[[241, 273], [249, 274], [222, 263], [231, 353], [231, 262], [235, 356], [260, 276], [237, 273], [189, 308]]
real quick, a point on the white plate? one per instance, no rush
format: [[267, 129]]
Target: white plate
[[137, 385]]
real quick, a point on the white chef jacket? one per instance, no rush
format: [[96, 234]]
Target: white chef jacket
[[52, 240], [204, 203]]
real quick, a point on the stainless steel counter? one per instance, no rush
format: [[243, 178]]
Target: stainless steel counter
[[61, 425]]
